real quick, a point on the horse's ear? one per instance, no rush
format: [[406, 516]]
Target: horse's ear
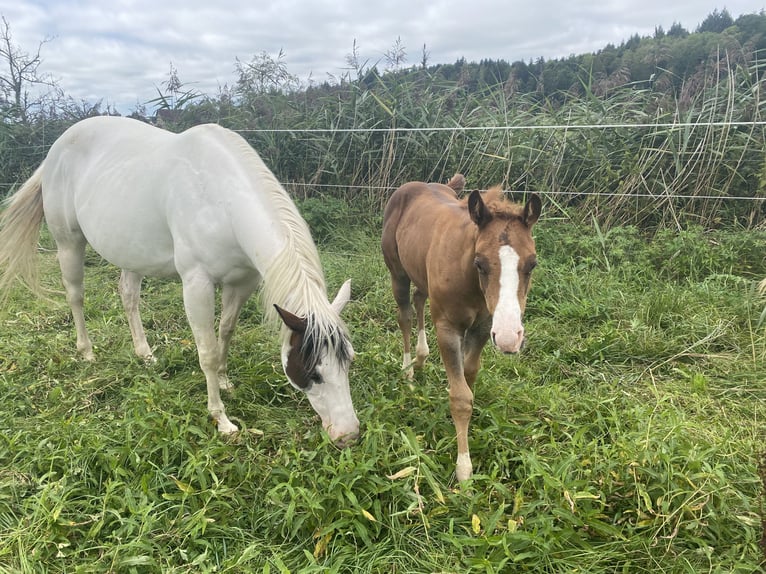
[[480, 215], [295, 323], [343, 297], [532, 210]]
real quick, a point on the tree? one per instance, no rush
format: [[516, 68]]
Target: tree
[[716, 22], [21, 77], [677, 31]]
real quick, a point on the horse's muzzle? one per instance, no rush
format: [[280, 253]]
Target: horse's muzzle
[[511, 347], [346, 440]]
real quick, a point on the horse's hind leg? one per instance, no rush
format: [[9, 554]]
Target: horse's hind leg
[[130, 292], [71, 256], [421, 349], [232, 299], [401, 289]]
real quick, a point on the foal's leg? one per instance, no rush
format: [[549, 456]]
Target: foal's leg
[[199, 301], [71, 256], [130, 292], [232, 299], [460, 395], [421, 350], [475, 339], [401, 288]]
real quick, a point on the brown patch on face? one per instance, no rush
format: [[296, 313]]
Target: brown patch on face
[[295, 369]]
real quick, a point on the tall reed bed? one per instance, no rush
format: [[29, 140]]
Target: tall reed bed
[[633, 157]]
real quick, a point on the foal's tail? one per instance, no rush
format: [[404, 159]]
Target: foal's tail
[[457, 182], [19, 232]]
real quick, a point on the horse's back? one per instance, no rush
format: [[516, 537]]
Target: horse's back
[[414, 223], [137, 193]]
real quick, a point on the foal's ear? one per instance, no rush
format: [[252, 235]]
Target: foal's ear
[[343, 297], [532, 210], [480, 215], [295, 323]]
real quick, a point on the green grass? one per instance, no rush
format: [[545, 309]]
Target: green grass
[[625, 438]]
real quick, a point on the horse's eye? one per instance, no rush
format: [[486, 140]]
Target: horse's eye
[[481, 266], [531, 265]]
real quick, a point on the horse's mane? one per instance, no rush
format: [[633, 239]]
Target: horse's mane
[[500, 207], [294, 279]]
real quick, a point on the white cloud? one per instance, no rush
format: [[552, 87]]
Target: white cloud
[[120, 51]]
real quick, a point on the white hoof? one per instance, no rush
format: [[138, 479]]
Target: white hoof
[[407, 367], [225, 426], [464, 468]]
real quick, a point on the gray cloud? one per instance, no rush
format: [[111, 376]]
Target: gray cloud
[[121, 51]]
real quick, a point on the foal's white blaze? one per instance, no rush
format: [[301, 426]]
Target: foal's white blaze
[[507, 330]]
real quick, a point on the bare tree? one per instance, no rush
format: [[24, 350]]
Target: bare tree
[[20, 76]]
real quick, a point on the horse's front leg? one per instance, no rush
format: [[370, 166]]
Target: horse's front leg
[[475, 339], [199, 301], [130, 292], [460, 394], [232, 299]]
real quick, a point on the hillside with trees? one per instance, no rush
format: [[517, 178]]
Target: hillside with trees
[[658, 130]]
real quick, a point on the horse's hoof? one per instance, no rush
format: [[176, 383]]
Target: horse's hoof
[[464, 469], [225, 426]]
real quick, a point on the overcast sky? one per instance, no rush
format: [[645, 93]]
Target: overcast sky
[[120, 51]]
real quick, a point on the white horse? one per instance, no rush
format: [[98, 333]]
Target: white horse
[[201, 206]]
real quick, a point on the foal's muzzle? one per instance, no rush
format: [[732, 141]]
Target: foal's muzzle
[[509, 345]]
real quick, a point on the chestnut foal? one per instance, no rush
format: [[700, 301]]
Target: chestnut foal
[[473, 258]]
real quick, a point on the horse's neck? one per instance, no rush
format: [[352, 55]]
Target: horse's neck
[[293, 278], [278, 241]]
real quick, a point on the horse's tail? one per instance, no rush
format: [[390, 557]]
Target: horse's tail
[[20, 224]]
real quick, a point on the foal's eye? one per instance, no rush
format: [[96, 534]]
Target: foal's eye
[[531, 264], [481, 266]]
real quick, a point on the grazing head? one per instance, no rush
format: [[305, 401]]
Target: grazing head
[[504, 259], [316, 357]]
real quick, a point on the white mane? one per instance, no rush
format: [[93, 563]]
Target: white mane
[[294, 279]]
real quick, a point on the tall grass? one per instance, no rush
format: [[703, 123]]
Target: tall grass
[[625, 438], [634, 156]]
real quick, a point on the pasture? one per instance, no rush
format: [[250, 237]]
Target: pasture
[[626, 437]]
